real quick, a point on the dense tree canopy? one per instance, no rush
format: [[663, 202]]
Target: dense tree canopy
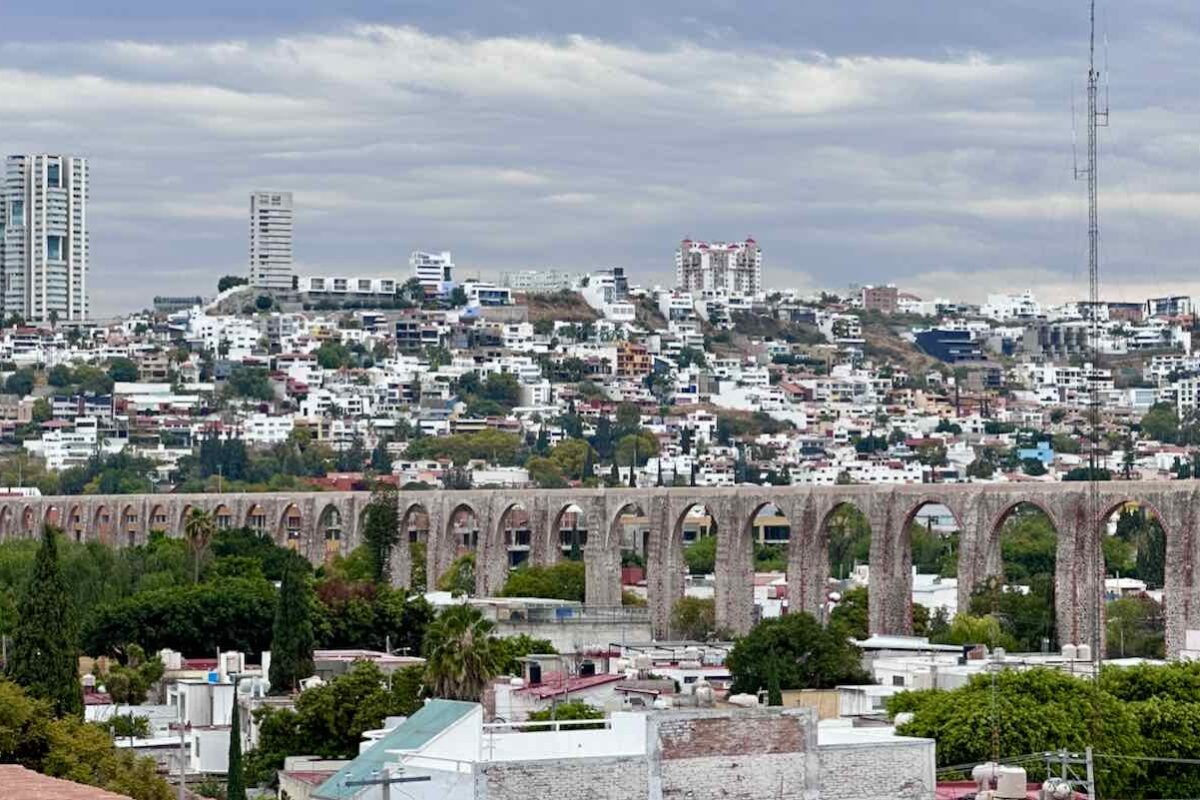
[[562, 581], [806, 655], [69, 748], [1144, 712]]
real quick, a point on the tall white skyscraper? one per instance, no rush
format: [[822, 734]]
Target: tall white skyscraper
[[44, 253], [729, 269], [271, 240]]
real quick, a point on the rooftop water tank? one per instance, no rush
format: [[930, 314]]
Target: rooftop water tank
[[1010, 783], [1084, 652], [1070, 652]]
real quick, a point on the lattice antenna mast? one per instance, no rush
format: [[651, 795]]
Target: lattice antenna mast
[[1096, 118]]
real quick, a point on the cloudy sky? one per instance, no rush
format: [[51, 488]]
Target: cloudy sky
[[928, 143]]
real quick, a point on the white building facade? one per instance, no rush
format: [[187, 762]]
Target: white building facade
[[271, 216], [435, 271], [719, 269], [44, 253]]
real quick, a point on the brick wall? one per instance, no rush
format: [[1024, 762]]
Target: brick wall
[[893, 772], [564, 779], [782, 776], [734, 755]]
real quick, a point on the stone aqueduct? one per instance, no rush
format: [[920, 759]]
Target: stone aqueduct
[[320, 523]]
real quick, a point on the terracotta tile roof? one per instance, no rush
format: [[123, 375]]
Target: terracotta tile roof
[[24, 784], [552, 685]]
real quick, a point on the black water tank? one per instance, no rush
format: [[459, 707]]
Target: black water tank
[[535, 673], [587, 669]]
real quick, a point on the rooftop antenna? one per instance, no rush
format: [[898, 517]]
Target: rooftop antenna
[[1096, 118]]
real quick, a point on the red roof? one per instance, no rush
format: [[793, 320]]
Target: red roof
[[25, 784], [552, 685], [311, 777], [959, 790]]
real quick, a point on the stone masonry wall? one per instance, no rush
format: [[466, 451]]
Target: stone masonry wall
[[320, 524]]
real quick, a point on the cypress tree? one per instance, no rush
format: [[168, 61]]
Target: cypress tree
[[44, 659], [633, 467], [660, 478], [589, 471], [774, 693], [614, 474], [292, 637], [381, 531], [235, 782]]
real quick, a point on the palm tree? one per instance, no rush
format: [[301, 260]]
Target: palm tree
[[460, 654], [199, 529]]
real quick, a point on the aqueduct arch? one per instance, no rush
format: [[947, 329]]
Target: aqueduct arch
[[978, 508]]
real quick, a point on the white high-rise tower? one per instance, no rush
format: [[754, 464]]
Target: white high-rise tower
[[44, 237], [271, 240]]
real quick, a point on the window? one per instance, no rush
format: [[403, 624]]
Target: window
[[897, 680], [54, 175], [16, 214], [54, 248]]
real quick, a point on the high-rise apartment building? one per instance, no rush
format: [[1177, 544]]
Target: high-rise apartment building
[[434, 270], [44, 237], [715, 269], [271, 240]]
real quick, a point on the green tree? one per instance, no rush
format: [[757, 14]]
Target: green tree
[[849, 540], [966, 629], [570, 710], [129, 682], [228, 613], [459, 579], [370, 615], [123, 370], [774, 692], [851, 615], [1161, 423], [461, 655], [59, 376], [1042, 710], [23, 721], [381, 531], [565, 580], [572, 456], [334, 355], [806, 655], [701, 555], [84, 753], [19, 382], [511, 649], [292, 634], [235, 785], [230, 281], [636, 446], [199, 529], [694, 619], [1135, 629], [1151, 560], [546, 473], [43, 658]]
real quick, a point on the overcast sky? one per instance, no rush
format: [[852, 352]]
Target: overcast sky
[[927, 143]]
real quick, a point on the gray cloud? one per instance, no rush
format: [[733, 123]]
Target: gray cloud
[[907, 164]]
